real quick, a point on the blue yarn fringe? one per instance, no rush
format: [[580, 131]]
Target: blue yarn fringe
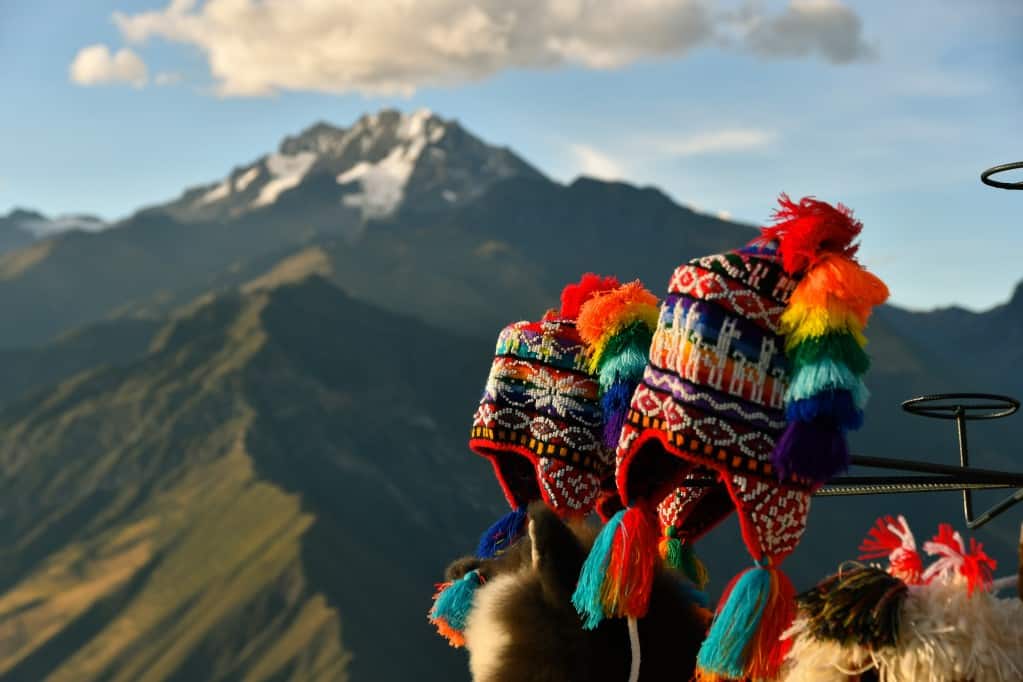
[[615, 404], [454, 603], [505, 531], [735, 625], [586, 598], [836, 405]]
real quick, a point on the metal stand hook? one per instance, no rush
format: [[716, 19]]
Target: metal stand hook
[[994, 407]]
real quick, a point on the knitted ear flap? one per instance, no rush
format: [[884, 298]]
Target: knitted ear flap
[[823, 323]]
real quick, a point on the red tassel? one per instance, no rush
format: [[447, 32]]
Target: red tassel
[[808, 229], [768, 649], [630, 570], [574, 295]]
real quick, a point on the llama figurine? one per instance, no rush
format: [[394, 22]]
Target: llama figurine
[[523, 626], [942, 623]]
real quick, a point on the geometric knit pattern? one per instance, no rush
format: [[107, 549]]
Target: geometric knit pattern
[[541, 409], [713, 396]]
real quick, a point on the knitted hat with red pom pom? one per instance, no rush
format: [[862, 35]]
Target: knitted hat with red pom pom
[[753, 379], [540, 421], [540, 424], [552, 412]]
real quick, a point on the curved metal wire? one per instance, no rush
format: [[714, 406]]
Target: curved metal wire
[[985, 177]]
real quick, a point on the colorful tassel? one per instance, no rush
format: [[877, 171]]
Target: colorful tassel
[[451, 606], [823, 325], [745, 638], [502, 534], [586, 598], [618, 575], [680, 556]]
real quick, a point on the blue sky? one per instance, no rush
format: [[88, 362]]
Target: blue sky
[[894, 114]]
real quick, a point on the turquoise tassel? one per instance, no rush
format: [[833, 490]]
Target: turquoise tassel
[[454, 603], [586, 598], [735, 625], [826, 375]]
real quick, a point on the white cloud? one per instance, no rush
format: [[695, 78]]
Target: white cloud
[[596, 164], [167, 78], [808, 28], [719, 141], [259, 47], [94, 65]]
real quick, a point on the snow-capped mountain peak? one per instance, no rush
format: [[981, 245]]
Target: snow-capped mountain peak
[[384, 162]]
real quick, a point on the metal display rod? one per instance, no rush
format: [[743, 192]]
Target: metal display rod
[[929, 477]]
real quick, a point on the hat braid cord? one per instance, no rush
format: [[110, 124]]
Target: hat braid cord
[[634, 642]]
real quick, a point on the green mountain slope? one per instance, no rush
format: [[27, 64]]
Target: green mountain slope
[[109, 342], [258, 498]]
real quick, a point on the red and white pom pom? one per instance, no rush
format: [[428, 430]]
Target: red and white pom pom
[[892, 538], [974, 565]]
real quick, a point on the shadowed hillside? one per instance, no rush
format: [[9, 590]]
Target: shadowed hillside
[[258, 498]]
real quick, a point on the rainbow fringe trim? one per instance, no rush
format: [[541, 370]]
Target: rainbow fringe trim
[[823, 325], [618, 326]]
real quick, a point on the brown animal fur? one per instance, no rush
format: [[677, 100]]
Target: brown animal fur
[[523, 625]]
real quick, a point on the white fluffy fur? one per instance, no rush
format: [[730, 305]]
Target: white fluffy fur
[[944, 636], [485, 638]]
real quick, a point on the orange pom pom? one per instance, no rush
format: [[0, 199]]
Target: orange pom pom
[[608, 311], [838, 282]]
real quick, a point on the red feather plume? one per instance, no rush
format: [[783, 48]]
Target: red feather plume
[[810, 228]]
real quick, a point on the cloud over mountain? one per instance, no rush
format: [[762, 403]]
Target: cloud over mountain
[[388, 47], [96, 65]]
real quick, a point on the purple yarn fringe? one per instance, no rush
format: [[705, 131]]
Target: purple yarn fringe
[[813, 450]]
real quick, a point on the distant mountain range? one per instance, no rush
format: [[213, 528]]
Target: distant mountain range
[[21, 227], [235, 424]]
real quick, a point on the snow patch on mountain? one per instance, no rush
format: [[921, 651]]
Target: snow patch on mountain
[[219, 192], [246, 178], [287, 171], [383, 183], [43, 227]]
